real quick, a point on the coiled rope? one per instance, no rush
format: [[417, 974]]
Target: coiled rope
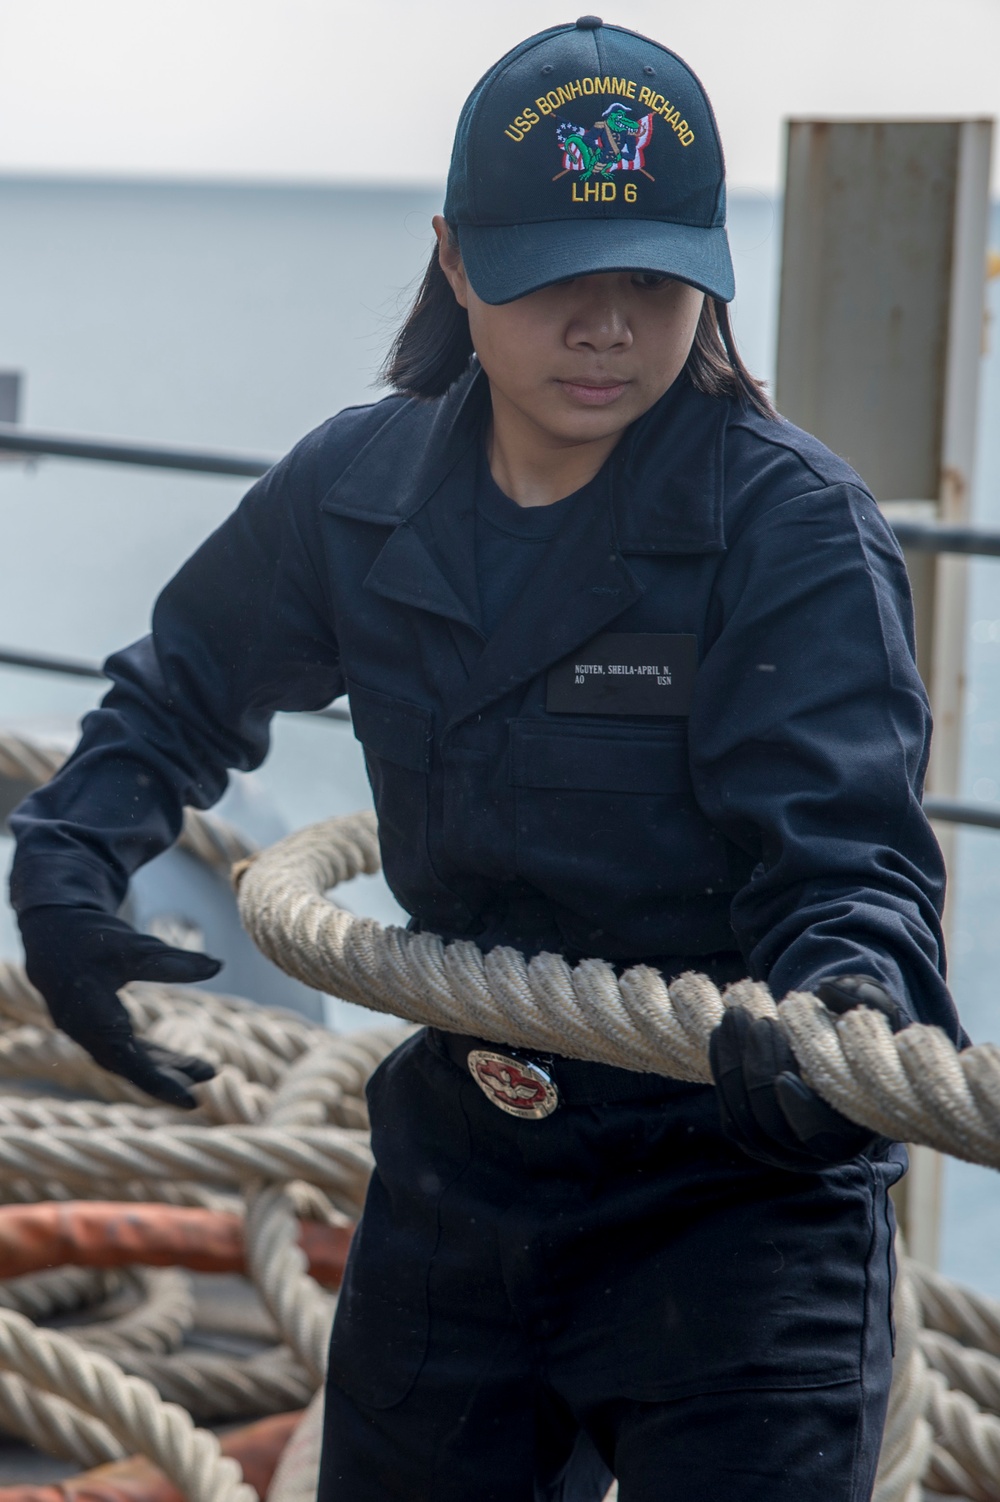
[[281, 1131]]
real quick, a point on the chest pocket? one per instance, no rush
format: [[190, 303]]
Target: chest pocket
[[610, 759], [391, 729], [606, 814]]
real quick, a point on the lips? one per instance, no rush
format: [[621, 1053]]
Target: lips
[[593, 393]]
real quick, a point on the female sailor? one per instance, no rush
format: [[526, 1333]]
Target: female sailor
[[631, 661]]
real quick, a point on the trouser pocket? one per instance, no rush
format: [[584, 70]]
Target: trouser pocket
[[380, 1332]]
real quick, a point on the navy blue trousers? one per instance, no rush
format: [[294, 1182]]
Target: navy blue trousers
[[533, 1307]]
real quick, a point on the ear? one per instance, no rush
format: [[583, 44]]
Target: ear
[[450, 261]]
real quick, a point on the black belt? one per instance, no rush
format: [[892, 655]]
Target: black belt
[[578, 1082]]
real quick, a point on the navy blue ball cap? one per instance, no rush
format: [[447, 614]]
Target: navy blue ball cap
[[588, 148]]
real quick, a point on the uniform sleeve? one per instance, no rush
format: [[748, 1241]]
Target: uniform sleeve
[[809, 737], [243, 630]]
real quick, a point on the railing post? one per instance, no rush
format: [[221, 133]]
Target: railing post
[[880, 335], [10, 399]]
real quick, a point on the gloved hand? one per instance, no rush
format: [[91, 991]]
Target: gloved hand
[[79, 958], [765, 1106]]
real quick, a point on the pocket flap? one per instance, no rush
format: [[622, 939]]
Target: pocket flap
[[392, 729], [590, 757]]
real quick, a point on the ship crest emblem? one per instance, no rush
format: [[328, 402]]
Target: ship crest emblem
[[514, 1085], [616, 142]]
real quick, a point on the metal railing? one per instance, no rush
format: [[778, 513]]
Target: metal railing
[[27, 445], [922, 537], [932, 537]]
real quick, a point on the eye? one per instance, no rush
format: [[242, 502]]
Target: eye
[[649, 280]]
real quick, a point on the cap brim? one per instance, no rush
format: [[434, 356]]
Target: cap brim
[[508, 261]]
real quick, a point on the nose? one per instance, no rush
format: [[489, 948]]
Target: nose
[[599, 319]]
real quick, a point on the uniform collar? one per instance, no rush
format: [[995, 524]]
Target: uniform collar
[[669, 494], [410, 456], [661, 493], [668, 491]]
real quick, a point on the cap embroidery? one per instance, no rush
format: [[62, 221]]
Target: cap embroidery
[[617, 143], [619, 118]]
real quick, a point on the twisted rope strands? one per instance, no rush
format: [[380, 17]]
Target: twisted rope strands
[[31, 1112], [912, 1086], [970, 1317], [278, 1031], [231, 1099], [162, 1317], [39, 1418], [250, 1056], [214, 1388], [907, 1439], [30, 761], [278, 1266], [293, 1133], [298, 1469], [976, 1373], [156, 1326], [332, 1157], [52, 1425], [302, 1310], [59, 1290], [21, 1191], [131, 1409], [967, 1448], [299, 1466], [213, 841], [37, 1053]]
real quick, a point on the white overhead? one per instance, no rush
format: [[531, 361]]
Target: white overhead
[[369, 92]]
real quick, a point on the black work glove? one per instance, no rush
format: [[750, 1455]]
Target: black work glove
[[766, 1107], [79, 958]]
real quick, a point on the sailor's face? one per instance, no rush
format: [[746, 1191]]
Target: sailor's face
[[584, 358]]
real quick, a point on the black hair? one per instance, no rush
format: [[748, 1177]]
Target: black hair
[[433, 347]]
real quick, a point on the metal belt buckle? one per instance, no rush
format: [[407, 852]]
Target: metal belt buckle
[[516, 1086]]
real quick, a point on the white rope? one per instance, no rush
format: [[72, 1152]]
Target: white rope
[[906, 1442], [214, 1388], [298, 1469], [131, 1409], [301, 1310], [333, 1157], [913, 1086], [161, 1318], [59, 1290], [123, 1150]]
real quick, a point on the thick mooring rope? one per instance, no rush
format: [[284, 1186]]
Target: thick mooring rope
[[912, 1086]]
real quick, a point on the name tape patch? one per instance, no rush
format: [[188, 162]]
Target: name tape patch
[[626, 673]]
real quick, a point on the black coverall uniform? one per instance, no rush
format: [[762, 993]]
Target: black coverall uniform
[[531, 1305]]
